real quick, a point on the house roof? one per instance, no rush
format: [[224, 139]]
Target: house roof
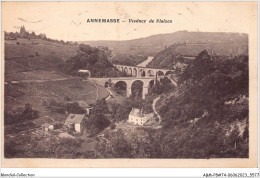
[[74, 119], [83, 104], [136, 112], [148, 116], [83, 70]]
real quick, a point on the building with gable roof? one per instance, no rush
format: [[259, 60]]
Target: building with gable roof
[[75, 122], [137, 117], [85, 106]]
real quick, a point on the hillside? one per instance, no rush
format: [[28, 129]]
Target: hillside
[[42, 59], [48, 101], [35, 59], [169, 58], [150, 46], [37, 91], [183, 53], [34, 75], [206, 116], [29, 56], [127, 59]]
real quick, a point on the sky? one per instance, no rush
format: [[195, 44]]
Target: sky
[[68, 20]]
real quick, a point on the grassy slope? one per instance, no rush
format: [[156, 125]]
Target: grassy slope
[[150, 46], [22, 63], [209, 136], [75, 89], [168, 57]]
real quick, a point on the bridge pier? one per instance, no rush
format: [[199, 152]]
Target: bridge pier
[[145, 91], [128, 91]]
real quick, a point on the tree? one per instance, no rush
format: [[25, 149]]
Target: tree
[[75, 108], [117, 147], [246, 133], [29, 113], [100, 107], [234, 137], [96, 123], [201, 66], [162, 86], [91, 58], [123, 110]]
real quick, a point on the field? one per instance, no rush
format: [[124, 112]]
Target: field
[[33, 76], [35, 59], [24, 48]]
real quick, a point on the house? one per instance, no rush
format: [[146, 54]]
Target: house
[[137, 117], [85, 106], [84, 73], [75, 122], [82, 104]]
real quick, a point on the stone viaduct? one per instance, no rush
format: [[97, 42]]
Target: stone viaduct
[[128, 81], [137, 71], [146, 75]]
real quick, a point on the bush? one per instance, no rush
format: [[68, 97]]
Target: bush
[[91, 58], [96, 123], [74, 108], [21, 114]]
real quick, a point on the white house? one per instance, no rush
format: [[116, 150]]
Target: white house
[[137, 117], [76, 122]]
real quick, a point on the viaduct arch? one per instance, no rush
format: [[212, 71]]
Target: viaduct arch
[[137, 71], [129, 82]]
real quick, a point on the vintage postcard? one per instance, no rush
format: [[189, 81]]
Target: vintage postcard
[[129, 84]]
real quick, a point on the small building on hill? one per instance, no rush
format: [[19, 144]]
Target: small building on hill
[[75, 122], [23, 32], [137, 117], [84, 73], [73, 107], [85, 106]]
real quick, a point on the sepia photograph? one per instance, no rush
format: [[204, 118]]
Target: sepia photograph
[[129, 84]]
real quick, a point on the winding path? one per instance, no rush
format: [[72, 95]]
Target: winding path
[[154, 109], [172, 81]]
